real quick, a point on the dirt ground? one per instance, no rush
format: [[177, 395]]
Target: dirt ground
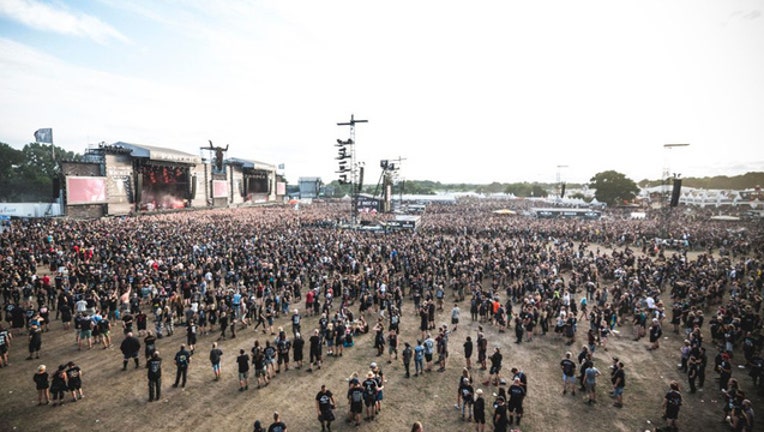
[[117, 400]]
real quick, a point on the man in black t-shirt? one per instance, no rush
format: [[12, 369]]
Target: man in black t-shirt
[[315, 351], [154, 367], [568, 374], [243, 361], [324, 406], [74, 380]]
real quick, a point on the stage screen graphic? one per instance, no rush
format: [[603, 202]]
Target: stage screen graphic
[[164, 187], [85, 190], [219, 189]]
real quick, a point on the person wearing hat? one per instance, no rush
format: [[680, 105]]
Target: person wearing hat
[[370, 395], [41, 380], [277, 425], [380, 378], [478, 411]]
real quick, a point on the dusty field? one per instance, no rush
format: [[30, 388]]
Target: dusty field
[[117, 400]]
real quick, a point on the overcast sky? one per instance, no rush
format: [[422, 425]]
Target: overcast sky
[[468, 91]]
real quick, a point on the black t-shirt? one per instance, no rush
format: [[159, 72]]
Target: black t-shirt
[[243, 361], [673, 399], [324, 399], [73, 375], [568, 367], [182, 358], [277, 427], [370, 387], [215, 355]]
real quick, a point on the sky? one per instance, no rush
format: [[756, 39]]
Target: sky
[[461, 91]]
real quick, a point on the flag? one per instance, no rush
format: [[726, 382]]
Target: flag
[[281, 166], [44, 135]]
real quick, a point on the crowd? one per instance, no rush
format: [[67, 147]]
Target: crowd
[[219, 272]]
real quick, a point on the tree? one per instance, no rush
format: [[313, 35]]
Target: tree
[[613, 187], [27, 175]]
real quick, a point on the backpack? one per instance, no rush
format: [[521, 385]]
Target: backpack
[[356, 396]]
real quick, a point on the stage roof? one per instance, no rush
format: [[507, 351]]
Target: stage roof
[[160, 153], [250, 164]]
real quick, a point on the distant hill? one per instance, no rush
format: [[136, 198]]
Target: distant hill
[[748, 180]]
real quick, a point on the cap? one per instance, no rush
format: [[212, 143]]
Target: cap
[[479, 392], [373, 365]]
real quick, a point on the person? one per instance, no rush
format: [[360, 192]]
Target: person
[[417, 427], [243, 361], [672, 401], [468, 348], [296, 319], [418, 359], [478, 411], [455, 316], [655, 334], [298, 345], [379, 376], [324, 407], [130, 347], [466, 395], [568, 374], [619, 382], [5, 346], [590, 381], [315, 351], [406, 355], [500, 419], [182, 362], [725, 371], [277, 425], [74, 380], [258, 427], [59, 386], [516, 393], [216, 355], [42, 384], [355, 397], [149, 344], [370, 395], [154, 366], [35, 341], [495, 370]]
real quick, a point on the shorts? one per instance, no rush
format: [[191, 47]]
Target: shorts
[[568, 379], [380, 395], [672, 413], [454, 320], [480, 418], [369, 400], [86, 334], [216, 367], [495, 370], [356, 407], [75, 386], [243, 375], [283, 358], [618, 391], [517, 407], [428, 357], [3, 349], [259, 372], [590, 387]]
